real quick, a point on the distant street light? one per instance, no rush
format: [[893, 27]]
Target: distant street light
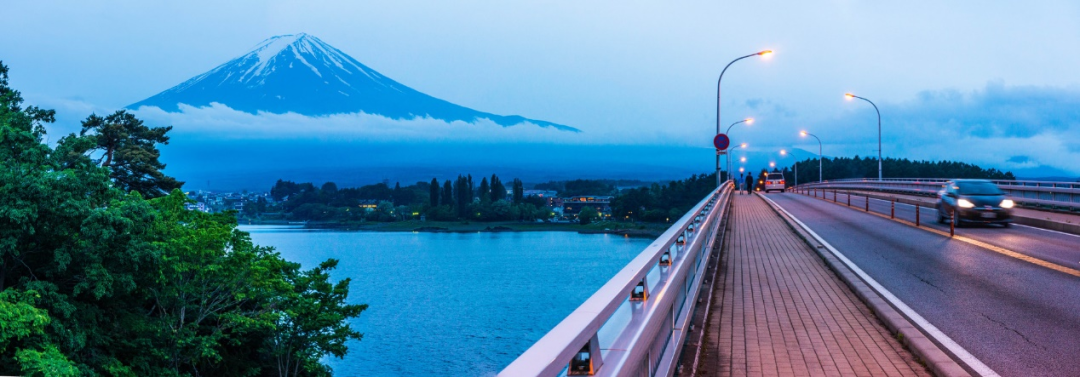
[[849, 96], [804, 134], [743, 159], [784, 153], [748, 122], [764, 53]]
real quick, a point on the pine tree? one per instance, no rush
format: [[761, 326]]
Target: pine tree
[[447, 194], [485, 191], [519, 191], [433, 193], [498, 190], [130, 152]]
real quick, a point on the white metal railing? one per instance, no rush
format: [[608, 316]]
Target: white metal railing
[[636, 323], [1026, 193]]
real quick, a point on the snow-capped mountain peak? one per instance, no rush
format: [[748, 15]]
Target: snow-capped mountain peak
[[302, 74]]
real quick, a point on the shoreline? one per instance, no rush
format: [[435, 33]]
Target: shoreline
[[638, 230]]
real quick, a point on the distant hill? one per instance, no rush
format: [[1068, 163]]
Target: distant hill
[[302, 74]]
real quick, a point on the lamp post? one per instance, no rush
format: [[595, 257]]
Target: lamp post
[[748, 122], [820, 177], [760, 53], [849, 96], [784, 153]]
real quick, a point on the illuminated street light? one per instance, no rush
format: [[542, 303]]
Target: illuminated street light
[[748, 122], [743, 159], [849, 96], [762, 53], [783, 152], [804, 134]]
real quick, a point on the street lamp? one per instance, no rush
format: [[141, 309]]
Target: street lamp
[[748, 122], [849, 96], [784, 153], [804, 134], [763, 53]]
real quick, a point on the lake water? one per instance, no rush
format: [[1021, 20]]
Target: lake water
[[454, 304]]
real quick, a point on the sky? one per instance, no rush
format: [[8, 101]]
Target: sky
[[987, 82]]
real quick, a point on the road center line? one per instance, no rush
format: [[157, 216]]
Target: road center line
[[928, 207], [965, 357], [984, 245]]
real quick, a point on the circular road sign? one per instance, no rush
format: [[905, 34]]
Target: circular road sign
[[721, 141]]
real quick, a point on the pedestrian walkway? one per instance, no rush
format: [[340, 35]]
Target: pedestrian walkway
[[784, 313]]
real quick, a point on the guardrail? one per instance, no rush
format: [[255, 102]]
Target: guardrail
[[1038, 194], [637, 322]]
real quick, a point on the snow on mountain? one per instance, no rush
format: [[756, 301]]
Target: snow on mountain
[[300, 73]]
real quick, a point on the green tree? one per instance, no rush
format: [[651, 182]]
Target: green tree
[[485, 191], [129, 150], [98, 281], [433, 193], [447, 194], [498, 190], [519, 191], [588, 215]]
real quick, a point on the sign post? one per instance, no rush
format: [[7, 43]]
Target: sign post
[[721, 142]]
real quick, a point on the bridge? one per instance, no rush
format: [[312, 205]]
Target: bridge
[[845, 277]]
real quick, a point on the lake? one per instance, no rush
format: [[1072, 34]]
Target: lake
[[454, 304]]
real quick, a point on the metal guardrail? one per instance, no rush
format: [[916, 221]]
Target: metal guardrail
[[636, 323], [1055, 195]]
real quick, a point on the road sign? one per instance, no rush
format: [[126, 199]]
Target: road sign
[[721, 141]]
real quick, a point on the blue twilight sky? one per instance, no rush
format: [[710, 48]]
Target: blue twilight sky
[[988, 82]]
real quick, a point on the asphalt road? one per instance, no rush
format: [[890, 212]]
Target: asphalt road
[[1018, 318]]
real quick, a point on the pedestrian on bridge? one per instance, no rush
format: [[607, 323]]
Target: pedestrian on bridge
[[742, 184], [749, 184]]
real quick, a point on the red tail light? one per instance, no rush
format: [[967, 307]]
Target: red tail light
[[781, 182]]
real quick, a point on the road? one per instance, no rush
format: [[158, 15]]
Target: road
[[1018, 318]]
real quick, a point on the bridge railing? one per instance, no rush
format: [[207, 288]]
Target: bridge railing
[[1058, 195], [637, 322]]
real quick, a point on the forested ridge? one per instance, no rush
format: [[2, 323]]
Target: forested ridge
[[103, 272]]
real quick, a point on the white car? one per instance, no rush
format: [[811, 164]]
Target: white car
[[774, 182]]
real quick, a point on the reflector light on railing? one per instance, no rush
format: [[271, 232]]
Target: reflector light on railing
[[665, 258], [640, 292]]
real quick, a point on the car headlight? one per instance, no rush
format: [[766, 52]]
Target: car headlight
[[964, 203], [1007, 203]]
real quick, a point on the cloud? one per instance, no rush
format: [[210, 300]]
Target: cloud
[[219, 121], [998, 126]]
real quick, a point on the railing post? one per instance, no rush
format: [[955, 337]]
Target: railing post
[[916, 214], [849, 198], [892, 209], [587, 361], [952, 223], [867, 202]]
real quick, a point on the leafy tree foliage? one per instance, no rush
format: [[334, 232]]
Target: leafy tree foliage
[[452, 201], [97, 280], [129, 150], [588, 215], [856, 167], [662, 203]]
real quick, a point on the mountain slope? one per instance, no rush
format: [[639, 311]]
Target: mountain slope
[[302, 74]]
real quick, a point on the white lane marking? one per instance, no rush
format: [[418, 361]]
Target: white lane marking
[[1046, 230], [965, 356], [1026, 226]]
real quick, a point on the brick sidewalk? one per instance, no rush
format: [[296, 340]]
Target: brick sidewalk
[[784, 313]]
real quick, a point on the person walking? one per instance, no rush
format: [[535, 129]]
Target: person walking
[[749, 184], [742, 184]]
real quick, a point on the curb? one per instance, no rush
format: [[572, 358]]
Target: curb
[[936, 360]]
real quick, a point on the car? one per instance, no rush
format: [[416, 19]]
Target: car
[[774, 182], [973, 201]]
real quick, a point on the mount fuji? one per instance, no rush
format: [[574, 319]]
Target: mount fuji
[[301, 74]]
